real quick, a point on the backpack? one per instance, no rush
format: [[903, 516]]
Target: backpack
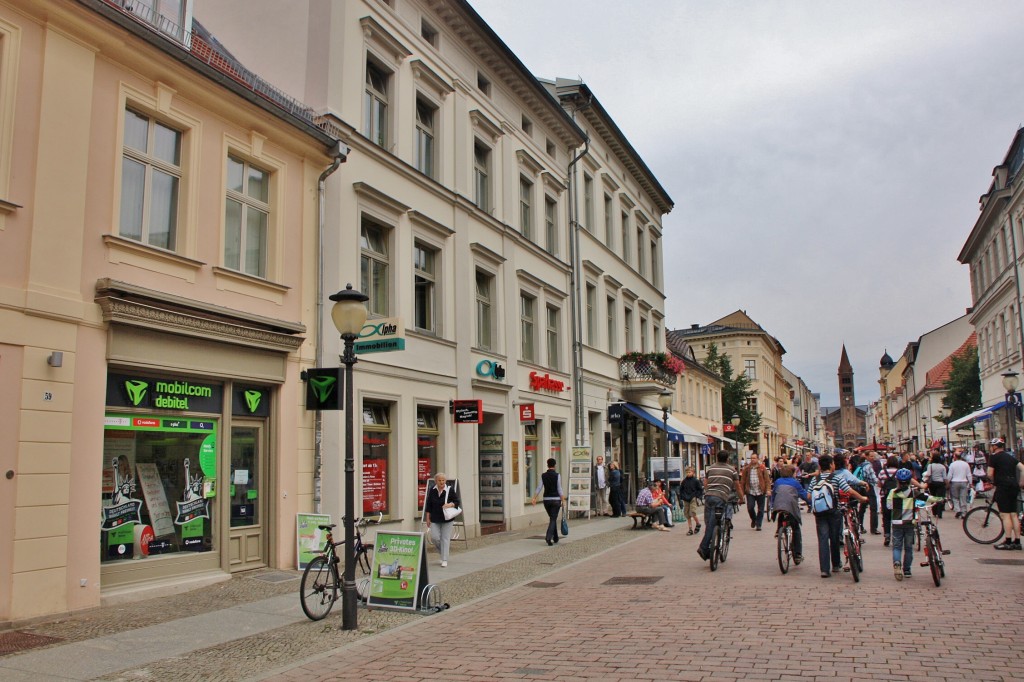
[[823, 496], [859, 473], [888, 485]]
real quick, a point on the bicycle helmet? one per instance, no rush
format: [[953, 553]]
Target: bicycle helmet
[[997, 441], [904, 475]]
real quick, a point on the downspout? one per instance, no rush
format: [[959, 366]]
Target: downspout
[[577, 323], [340, 153], [1016, 280]]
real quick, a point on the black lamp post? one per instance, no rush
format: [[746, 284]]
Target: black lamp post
[[735, 421], [924, 434], [349, 315], [946, 414], [665, 402], [1010, 383]]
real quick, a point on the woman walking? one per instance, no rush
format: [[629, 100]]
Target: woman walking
[[441, 497], [551, 486]]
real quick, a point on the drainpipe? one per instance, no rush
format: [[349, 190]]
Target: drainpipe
[[574, 301], [340, 153]]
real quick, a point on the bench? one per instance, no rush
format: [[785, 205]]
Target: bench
[[641, 520]]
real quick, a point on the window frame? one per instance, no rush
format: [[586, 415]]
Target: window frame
[[377, 305], [527, 326], [485, 323], [612, 319], [430, 281], [425, 162], [151, 163], [248, 204], [553, 335], [591, 307], [526, 187], [550, 225], [377, 130], [482, 181]]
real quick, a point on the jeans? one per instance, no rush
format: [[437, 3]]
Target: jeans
[[758, 501], [618, 501], [552, 507], [872, 505], [658, 514], [903, 544], [711, 504], [830, 538]]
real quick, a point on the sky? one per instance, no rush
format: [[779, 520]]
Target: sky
[[825, 158]]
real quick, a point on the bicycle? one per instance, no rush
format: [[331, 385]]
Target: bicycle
[[983, 525], [784, 535], [321, 581], [722, 536], [933, 551], [852, 559]]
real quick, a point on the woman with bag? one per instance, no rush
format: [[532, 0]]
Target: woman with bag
[[442, 506], [551, 486]]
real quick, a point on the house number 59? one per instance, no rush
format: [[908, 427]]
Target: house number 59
[[47, 396]]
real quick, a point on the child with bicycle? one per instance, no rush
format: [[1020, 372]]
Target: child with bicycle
[[901, 503], [786, 495]]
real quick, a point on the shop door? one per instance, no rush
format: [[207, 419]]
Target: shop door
[[247, 487]]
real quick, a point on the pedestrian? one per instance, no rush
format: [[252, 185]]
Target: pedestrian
[[901, 502], [616, 496], [829, 523], [786, 495], [755, 484], [551, 486], [601, 486], [960, 481], [441, 497], [647, 503], [1002, 471], [691, 490], [935, 477], [721, 487], [866, 472]]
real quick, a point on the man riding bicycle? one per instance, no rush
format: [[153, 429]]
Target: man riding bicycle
[[721, 487], [786, 495]]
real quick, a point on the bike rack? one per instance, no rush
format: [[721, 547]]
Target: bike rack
[[430, 600]]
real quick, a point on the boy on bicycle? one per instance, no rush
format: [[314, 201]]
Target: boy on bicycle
[[901, 503], [786, 495]]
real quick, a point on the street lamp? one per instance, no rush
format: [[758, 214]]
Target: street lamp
[[1010, 383], [946, 413], [735, 421], [665, 402], [349, 316], [925, 445]]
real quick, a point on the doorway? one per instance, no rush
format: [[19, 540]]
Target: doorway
[[247, 486]]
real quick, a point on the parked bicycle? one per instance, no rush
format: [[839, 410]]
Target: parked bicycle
[[853, 561], [722, 535], [983, 525], [933, 551], [321, 581]]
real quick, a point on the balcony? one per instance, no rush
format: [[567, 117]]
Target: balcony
[[658, 370]]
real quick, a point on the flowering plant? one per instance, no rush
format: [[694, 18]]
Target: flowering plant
[[665, 362]]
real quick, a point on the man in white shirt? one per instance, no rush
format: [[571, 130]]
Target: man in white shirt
[[601, 476], [960, 480]]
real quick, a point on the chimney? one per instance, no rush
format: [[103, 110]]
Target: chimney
[[694, 327]]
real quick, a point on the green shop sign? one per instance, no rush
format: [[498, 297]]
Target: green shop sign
[[129, 390]]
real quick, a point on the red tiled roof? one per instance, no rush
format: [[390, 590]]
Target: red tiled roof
[[936, 377]]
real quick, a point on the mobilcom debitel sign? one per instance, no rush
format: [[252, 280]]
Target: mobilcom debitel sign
[[381, 335], [129, 390]]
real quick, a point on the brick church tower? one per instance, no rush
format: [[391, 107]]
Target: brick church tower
[[847, 407]]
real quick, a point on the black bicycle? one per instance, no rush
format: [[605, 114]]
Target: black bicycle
[[933, 551], [721, 537], [784, 541], [321, 581], [983, 525]]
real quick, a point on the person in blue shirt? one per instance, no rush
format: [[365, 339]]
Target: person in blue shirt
[[786, 495]]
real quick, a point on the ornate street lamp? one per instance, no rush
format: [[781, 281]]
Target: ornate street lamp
[[946, 413], [735, 421], [665, 402], [349, 316], [1010, 383]]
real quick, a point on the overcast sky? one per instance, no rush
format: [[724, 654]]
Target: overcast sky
[[825, 159]]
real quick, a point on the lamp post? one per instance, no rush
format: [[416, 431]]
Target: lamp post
[[946, 413], [349, 316], [1010, 383], [735, 421], [665, 402], [925, 446]]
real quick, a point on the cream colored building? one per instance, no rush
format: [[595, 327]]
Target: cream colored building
[[456, 213], [158, 250], [805, 414]]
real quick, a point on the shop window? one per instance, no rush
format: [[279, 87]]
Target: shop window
[[246, 216], [150, 178], [376, 458], [533, 464], [557, 429], [427, 462], [159, 486]]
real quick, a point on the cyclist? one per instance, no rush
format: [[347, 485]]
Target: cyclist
[[786, 495], [721, 486], [1002, 471], [901, 502], [829, 524]]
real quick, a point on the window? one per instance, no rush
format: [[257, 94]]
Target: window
[[657, 338], [527, 126], [484, 311], [425, 287], [553, 334], [625, 236], [376, 458], [588, 203], [643, 334], [591, 314], [549, 147], [750, 369], [641, 262], [655, 263], [375, 104], [424, 152], [557, 428], [481, 176], [483, 84], [373, 244], [525, 207], [550, 226], [527, 327], [427, 460], [429, 34], [533, 469], [613, 326], [150, 176], [246, 215], [752, 404], [628, 327], [609, 221]]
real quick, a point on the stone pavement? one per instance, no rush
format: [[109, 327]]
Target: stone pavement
[[652, 610]]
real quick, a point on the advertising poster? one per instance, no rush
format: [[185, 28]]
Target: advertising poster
[[375, 485], [309, 538], [423, 478], [399, 571], [579, 479], [156, 500]]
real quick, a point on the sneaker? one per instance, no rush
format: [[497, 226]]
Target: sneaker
[[758, 529], [1016, 544], [906, 574], [702, 554], [825, 574], [444, 564], [797, 559], [897, 570], [1005, 544], [752, 524]]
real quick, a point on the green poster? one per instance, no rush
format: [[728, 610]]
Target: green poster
[[208, 456], [192, 535], [121, 541], [308, 536], [398, 570]]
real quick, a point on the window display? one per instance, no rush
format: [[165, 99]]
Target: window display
[[426, 452], [376, 451]]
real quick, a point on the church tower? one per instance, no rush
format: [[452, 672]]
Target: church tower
[[847, 407]]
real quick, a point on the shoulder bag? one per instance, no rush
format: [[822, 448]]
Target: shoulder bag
[[450, 512]]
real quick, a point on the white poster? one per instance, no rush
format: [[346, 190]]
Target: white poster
[[156, 500]]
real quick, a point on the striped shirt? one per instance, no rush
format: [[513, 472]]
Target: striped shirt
[[720, 481]]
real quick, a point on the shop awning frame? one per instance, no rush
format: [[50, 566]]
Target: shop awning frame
[[649, 415], [977, 416]]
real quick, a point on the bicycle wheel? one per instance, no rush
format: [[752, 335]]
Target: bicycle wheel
[[319, 589], [939, 552], [933, 561], [851, 558], [716, 546], [726, 539], [785, 537], [982, 525]]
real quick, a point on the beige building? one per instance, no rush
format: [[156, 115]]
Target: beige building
[[806, 427], [758, 354], [159, 213], [470, 200]]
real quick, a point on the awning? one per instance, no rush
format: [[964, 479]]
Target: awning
[[978, 416], [653, 417]]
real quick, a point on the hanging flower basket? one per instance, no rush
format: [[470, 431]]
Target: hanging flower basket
[[661, 367]]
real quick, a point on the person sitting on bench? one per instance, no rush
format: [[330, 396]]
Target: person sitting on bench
[[654, 509]]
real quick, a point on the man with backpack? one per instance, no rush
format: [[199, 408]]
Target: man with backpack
[[824, 501]]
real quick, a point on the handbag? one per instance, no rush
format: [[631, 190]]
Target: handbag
[[450, 512], [565, 523]]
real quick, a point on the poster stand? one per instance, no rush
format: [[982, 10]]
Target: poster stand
[[396, 554], [580, 473]]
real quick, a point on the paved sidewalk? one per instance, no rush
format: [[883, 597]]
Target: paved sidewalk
[[652, 610], [114, 643]]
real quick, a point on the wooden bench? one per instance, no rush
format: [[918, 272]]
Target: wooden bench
[[641, 520]]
